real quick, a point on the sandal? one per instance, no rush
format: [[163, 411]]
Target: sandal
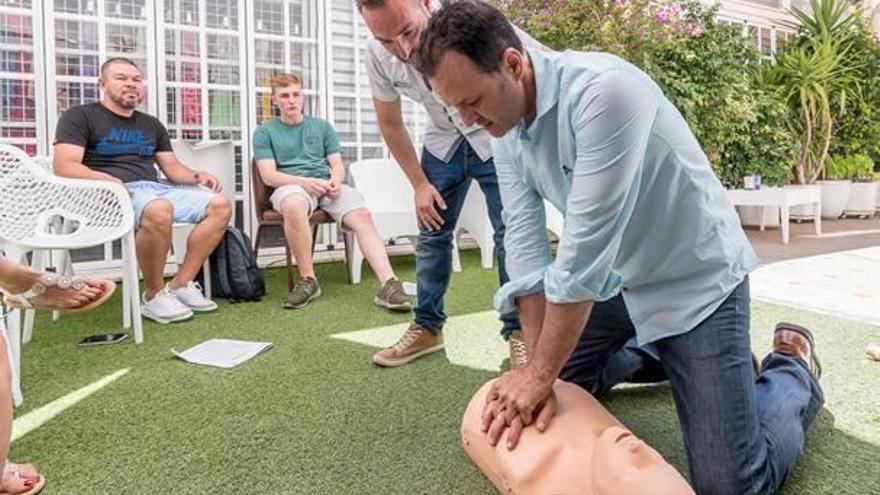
[[12, 471], [63, 282]]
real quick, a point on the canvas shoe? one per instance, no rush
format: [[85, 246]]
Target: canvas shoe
[[519, 353], [391, 296], [305, 290], [164, 307], [192, 297], [416, 342]]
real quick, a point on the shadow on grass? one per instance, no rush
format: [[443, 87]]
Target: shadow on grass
[[834, 461]]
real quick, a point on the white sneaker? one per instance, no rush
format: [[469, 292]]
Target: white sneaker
[[191, 296], [164, 307]]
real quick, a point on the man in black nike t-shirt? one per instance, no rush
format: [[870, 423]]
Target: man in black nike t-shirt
[[110, 140]]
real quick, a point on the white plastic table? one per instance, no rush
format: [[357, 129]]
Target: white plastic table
[[782, 198]]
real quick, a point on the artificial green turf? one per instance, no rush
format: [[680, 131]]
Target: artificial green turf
[[314, 416]]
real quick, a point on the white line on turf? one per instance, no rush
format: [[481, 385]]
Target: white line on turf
[[36, 418]]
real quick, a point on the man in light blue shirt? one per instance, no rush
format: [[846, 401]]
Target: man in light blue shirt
[[651, 248]]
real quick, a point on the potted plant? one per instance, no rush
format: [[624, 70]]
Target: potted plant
[[863, 191], [836, 186], [877, 179]]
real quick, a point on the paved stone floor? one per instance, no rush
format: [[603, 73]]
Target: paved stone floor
[[836, 273]]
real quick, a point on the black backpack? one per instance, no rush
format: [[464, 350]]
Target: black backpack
[[234, 271]]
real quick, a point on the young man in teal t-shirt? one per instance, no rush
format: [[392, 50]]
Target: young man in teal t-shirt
[[300, 157]]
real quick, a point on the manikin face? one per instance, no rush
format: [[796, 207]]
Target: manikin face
[[494, 100], [624, 465], [399, 25], [289, 100], [123, 85]]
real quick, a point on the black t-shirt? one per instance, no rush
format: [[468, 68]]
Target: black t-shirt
[[124, 147]]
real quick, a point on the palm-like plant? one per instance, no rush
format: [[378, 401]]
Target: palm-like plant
[[817, 79], [817, 83], [827, 20]]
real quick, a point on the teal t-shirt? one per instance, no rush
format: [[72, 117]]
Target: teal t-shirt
[[300, 149]]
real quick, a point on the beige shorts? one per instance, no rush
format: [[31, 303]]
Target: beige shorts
[[349, 199]]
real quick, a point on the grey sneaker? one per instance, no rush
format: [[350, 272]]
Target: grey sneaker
[[391, 296], [192, 297], [164, 307], [302, 294]]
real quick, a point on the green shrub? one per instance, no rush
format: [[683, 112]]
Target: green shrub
[[858, 130], [850, 167], [705, 69]]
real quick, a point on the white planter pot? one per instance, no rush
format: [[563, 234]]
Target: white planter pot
[[878, 197], [802, 212], [751, 215], [862, 199], [835, 196]]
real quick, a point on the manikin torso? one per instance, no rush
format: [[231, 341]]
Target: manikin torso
[[585, 451]]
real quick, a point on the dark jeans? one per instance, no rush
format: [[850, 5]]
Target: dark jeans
[[742, 436], [434, 251]]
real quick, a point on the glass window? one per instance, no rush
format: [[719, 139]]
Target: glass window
[[766, 45], [344, 118], [72, 93], [222, 14], [126, 9], [16, 30], [224, 108], [16, 61], [87, 7], [303, 18], [128, 41], [17, 101], [344, 69], [269, 16], [342, 21], [304, 63], [76, 35]]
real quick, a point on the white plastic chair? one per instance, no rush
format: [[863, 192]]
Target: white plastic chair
[[389, 197], [474, 219], [31, 203], [554, 219]]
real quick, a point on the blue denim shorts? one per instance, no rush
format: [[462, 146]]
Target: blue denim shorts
[[189, 202]]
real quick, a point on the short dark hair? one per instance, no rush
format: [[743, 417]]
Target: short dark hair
[[118, 60], [472, 28]]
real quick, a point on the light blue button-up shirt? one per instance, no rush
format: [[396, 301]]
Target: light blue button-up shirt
[[644, 213]]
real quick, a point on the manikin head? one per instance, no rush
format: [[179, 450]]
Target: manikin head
[[397, 24], [287, 95], [475, 62], [585, 451], [623, 465], [122, 84]]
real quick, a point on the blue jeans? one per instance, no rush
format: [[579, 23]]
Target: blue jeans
[[434, 252], [742, 436]]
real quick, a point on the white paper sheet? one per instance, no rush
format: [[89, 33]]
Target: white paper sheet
[[223, 353]]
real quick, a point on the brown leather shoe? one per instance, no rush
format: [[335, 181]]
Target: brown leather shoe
[[415, 342], [795, 340]]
